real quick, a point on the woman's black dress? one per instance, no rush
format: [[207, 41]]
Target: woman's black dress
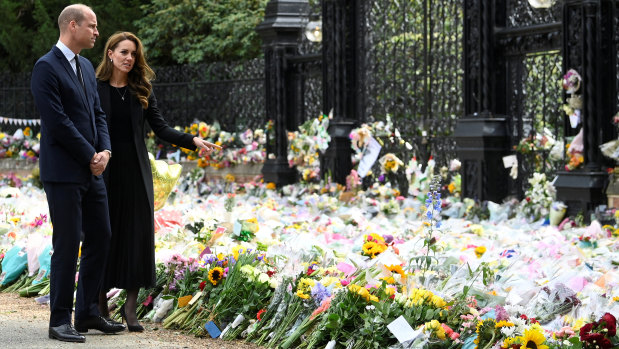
[[131, 261]]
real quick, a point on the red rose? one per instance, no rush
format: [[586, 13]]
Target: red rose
[[585, 330], [202, 284], [609, 322], [597, 340], [524, 317]]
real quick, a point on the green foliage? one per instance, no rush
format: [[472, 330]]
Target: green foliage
[[194, 31], [30, 28]]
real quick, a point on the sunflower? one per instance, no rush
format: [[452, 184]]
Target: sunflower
[[215, 275], [396, 269], [368, 247], [533, 339]]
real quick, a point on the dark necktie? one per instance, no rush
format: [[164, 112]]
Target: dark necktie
[[78, 70]]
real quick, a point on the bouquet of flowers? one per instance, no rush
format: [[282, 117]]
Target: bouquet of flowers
[[538, 198], [306, 146], [21, 145]]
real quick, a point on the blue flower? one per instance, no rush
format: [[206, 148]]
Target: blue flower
[[320, 293]]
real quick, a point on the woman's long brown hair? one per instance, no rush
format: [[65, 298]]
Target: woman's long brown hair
[[140, 76]]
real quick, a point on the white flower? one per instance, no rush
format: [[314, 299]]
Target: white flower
[[508, 331]]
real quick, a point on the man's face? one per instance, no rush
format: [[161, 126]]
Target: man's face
[[86, 33]]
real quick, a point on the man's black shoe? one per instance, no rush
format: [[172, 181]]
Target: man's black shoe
[[66, 333], [98, 323]]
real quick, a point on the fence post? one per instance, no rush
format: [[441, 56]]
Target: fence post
[[589, 47], [280, 30], [482, 138], [343, 28]]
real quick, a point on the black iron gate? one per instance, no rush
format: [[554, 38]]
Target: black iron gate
[[529, 50], [414, 71]]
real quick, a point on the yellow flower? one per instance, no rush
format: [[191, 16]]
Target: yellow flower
[[477, 229], [396, 269], [362, 291], [215, 275], [305, 287], [183, 301], [435, 327], [368, 247], [375, 237], [479, 251], [236, 250], [271, 186], [230, 178], [202, 163], [27, 132], [300, 294], [504, 323], [451, 187], [389, 279], [533, 338], [508, 342]]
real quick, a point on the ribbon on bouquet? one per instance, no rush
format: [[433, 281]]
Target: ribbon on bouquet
[[21, 122]]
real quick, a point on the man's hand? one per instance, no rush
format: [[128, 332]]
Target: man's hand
[[99, 162], [205, 145]]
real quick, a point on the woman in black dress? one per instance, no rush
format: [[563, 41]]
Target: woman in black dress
[[128, 100]]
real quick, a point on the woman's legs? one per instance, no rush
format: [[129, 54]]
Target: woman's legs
[[131, 306]]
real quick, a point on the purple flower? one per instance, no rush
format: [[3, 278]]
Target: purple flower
[[381, 178], [501, 313], [320, 293]]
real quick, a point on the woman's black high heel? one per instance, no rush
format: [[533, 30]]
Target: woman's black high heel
[[131, 328]]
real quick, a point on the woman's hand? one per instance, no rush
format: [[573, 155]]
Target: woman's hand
[[207, 146]]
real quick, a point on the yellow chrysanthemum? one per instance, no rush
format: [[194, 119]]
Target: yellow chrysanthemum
[[533, 338], [215, 275], [480, 250]]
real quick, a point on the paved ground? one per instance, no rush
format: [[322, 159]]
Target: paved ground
[[23, 324]]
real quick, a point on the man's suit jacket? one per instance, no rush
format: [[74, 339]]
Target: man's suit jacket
[[73, 126]]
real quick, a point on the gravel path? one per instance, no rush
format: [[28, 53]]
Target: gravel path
[[24, 324]]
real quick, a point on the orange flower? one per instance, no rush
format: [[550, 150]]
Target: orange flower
[[183, 301]]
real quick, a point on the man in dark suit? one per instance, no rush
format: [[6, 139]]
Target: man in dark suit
[[75, 149]]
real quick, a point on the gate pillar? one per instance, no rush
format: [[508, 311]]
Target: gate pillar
[[342, 68], [482, 138], [481, 143], [283, 22], [589, 28]]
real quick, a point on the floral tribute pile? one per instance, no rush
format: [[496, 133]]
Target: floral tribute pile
[[297, 267], [392, 259]]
